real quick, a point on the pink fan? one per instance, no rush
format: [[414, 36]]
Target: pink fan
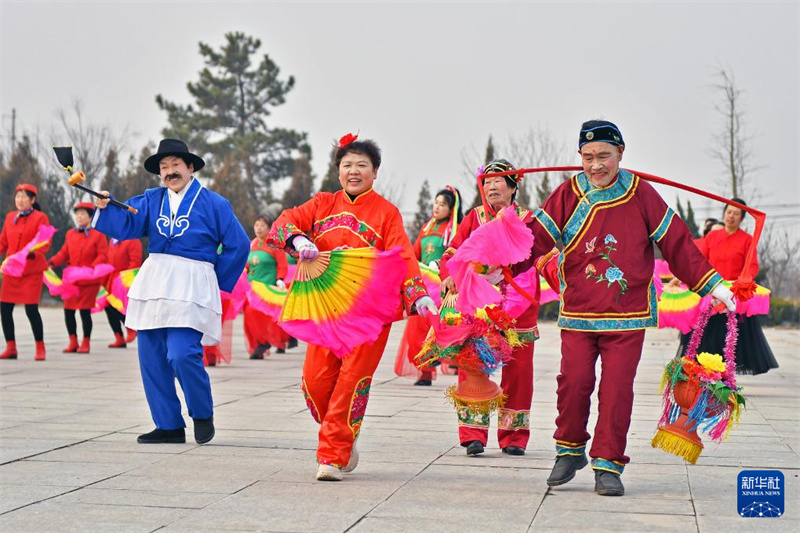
[[14, 265], [502, 242]]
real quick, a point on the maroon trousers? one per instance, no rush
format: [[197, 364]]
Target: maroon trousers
[[513, 420], [619, 353]]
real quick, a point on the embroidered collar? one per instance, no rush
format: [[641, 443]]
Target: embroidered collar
[[174, 228], [354, 200]]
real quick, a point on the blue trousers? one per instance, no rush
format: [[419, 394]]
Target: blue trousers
[[166, 354]]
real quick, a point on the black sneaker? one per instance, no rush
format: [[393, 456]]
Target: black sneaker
[[423, 382], [565, 468], [514, 450], [163, 436], [608, 483], [203, 430], [474, 447], [258, 353], [280, 350], [292, 343]]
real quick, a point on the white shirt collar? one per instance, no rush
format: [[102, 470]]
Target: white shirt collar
[[176, 197]]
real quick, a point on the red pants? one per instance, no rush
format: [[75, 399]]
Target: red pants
[[337, 391], [619, 353], [513, 420]]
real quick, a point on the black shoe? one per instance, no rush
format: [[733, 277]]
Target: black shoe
[[565, 468], [608, 483], [203, 430], [163, 436], [292, 343], [474, 447], [423, 382], [514, 450], [258, 353], [280, 350]]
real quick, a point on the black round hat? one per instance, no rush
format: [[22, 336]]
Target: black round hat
[[174, 147]]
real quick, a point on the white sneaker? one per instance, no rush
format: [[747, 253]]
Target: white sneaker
[[353, 462], [329, 473]]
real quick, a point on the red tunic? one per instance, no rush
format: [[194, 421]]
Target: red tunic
[[124, 255], [331, 220], [81, 250], [527, 322], [727, 253], [26, 289], [606, 268]]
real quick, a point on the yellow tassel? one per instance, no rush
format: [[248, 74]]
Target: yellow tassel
[[512, 337], [676, 445], [664, 380], [481, 406]]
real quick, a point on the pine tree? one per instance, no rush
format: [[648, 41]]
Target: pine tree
[[233, 98], [688, 217], [228, 179], [302, 185], [423, 213], [111, 176], [330, 183]]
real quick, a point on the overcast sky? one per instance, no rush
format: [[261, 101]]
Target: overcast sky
[[431, 80]]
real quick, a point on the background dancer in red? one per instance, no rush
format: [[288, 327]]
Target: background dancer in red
[[83, 247], [122, 255], [268, 266], [19, 228], [726, 250], [432, 241]]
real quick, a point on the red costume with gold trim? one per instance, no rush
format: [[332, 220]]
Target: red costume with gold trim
[[16, 233], [608, 297], [336, 389], [83, 248], [513, 419]]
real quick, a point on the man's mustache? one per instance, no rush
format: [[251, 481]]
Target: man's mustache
[[173, 176]]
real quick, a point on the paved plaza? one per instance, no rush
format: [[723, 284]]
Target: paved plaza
[[69, 460]]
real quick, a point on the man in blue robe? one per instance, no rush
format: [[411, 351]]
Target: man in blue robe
[[196, 247]]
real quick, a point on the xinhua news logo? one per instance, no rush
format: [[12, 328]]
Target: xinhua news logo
[[761, 493]]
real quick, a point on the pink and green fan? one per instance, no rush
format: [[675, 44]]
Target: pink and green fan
[[57, 287], [432, 282], [267, 299], [118, 297], [343, 298]]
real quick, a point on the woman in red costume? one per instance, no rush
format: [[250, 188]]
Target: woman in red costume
[[83, 247], [513, 419], [726, 250], [268, 266], [19, 229], [432, 241], [337, 390], [122, 255]]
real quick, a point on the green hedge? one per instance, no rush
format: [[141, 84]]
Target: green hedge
[[783, 312]]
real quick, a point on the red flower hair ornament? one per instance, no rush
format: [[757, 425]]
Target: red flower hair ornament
[[347, 140]]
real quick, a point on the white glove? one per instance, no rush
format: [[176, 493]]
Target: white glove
[[308, 250], [723, 294], [494, 276], [425, 306], [434, 265], [280, 284]]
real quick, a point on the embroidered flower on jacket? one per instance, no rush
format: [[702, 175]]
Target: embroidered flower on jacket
[[610, 239], [590, 270], [614, 274], [590, 246]]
